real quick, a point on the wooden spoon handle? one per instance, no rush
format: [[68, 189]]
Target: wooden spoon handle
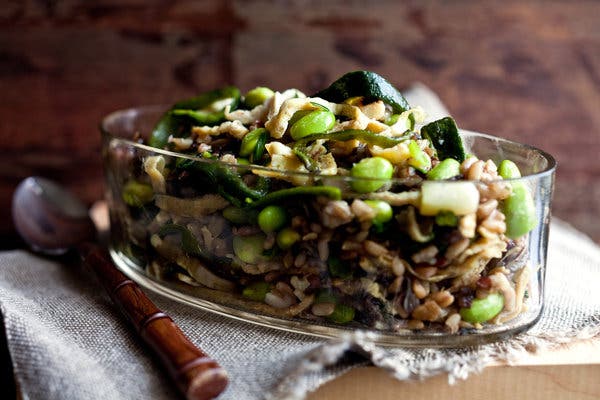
[[197, 375]]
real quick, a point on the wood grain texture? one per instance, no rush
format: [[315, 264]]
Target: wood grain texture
[[539, 382], [528, 71]]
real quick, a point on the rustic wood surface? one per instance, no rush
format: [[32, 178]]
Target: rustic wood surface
[[528, 71]]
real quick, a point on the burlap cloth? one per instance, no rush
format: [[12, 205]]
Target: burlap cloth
[[67, 341]]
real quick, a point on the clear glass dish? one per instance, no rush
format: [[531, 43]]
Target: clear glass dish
[[332, 274]]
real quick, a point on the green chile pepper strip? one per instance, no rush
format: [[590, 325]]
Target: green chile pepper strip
[[229, 184], [200, 117], [342, 136], [190, 245], [178, 120], [273, 197]]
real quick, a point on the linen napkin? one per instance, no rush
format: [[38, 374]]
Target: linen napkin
[[68, 341]]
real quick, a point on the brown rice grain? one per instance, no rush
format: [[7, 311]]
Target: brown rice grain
[[444, 298], [420, 289], [415, 324], [398, 266], [374, 248], [426, 272], [428, 311], [453, 323], [425, 255], [322, 309]]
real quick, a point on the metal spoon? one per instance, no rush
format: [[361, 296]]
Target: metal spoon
[[51, 220]]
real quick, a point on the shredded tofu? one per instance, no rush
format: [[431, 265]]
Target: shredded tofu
[[283, 159], [247, 117], [233, 128], [181, 143], [375, 110], [397, 155], [154, 167]]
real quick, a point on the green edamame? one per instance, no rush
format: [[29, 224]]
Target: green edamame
[[250, 141], [419, 160], [272, 218], [508, 170], [446, 169], [249, 249], [375, 170], [257, 96], [519, 207], [286, 238], [342, 314], [297, 115], [483, 310], [257, 291], [383, 211], [136, 194], [325, 296], [317, 121], [392, 119]]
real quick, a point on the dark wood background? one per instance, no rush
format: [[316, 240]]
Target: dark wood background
[[528, 71]]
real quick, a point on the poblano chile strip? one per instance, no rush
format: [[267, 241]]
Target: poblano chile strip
[[259, 150], [205, 99], [363, 136], [366, 84], [332, 192], [444, 137], [190, 245], [199, 118], [227, 182], [193, 111]]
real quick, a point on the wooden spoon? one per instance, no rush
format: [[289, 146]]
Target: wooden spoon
[[52, 220]]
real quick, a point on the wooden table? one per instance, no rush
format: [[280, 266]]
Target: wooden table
[[528, 71], [568, 373]]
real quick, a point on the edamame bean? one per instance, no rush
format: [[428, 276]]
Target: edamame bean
[[342, 314], [519, 210], [250, 141], [418, 158], [325, 296], [297, 115], [257, 96], [376, 170], [446, 169], [392, 119], [483, 310], [317, 121], [136, 194], [519, 207], [286, 238], [249, 249], [272, 218], [257, 291], [383, 211], [508, 170]]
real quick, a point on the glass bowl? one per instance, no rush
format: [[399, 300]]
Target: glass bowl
[[194, 230]]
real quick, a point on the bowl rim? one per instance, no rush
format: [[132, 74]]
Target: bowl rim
[[133, 112]]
